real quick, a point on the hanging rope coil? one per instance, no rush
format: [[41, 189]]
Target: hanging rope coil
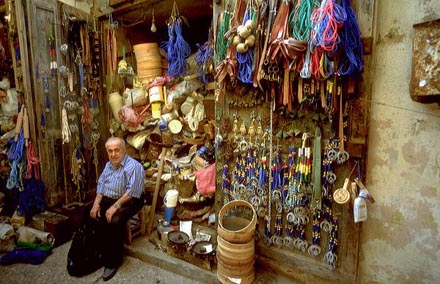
[[245, 60], [13, 176], [227, 69], [305, 70], [327, 20], [32, 197], [178, 50], [15, 152], [245, 66], [15, 155], [32, 162], [182, 49], [195, 116], [205, 59], [222, 43], [65, 129], [351, 58], [300, 19], [111, 50], [78, 168], [168, 46]]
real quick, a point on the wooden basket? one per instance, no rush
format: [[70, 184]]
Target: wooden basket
[[229, 262], [236, 229], [146, 48], [147, 58], [151, 64], [149, 72], [241, 251]]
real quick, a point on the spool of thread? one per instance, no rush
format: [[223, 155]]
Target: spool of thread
[[170, 199], [115, 102]]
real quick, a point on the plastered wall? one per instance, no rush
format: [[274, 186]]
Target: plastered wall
[[400, 241]]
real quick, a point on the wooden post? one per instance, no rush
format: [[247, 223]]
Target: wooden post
[[156, 191]]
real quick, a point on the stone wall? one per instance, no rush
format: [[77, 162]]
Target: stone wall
[[400, 240]]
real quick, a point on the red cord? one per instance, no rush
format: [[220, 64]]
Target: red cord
[[32, 162]]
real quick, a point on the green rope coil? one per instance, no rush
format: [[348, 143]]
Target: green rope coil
[[222, 44], [299, 19]]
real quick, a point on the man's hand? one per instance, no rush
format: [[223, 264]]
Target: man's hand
[[109, 213], [95, 212]]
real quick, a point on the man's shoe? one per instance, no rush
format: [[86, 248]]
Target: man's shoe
[[109, 273]]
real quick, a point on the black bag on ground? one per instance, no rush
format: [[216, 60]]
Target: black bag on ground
[[85, 253]]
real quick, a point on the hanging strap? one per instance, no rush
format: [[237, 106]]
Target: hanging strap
[[272, 12], [317, 188]]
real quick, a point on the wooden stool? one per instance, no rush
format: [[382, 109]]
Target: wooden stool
[[136, 225]]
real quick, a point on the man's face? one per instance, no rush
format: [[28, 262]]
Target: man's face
[[115, 153]]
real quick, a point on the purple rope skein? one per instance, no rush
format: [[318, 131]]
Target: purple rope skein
[[182, 51], [203, 55], [351, 57], [168, 46]]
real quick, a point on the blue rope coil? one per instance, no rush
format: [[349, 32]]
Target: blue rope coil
[[178, 50], [203, 57], [168, 46], [15, 155], [245, 66], [15, 152], [323, 30], [245, 60], [351, 59]]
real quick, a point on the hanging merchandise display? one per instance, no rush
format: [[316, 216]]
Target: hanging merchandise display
[[79, 99], [302, 58], [178, 50]]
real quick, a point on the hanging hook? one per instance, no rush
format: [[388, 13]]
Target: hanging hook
[[112, 24]]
